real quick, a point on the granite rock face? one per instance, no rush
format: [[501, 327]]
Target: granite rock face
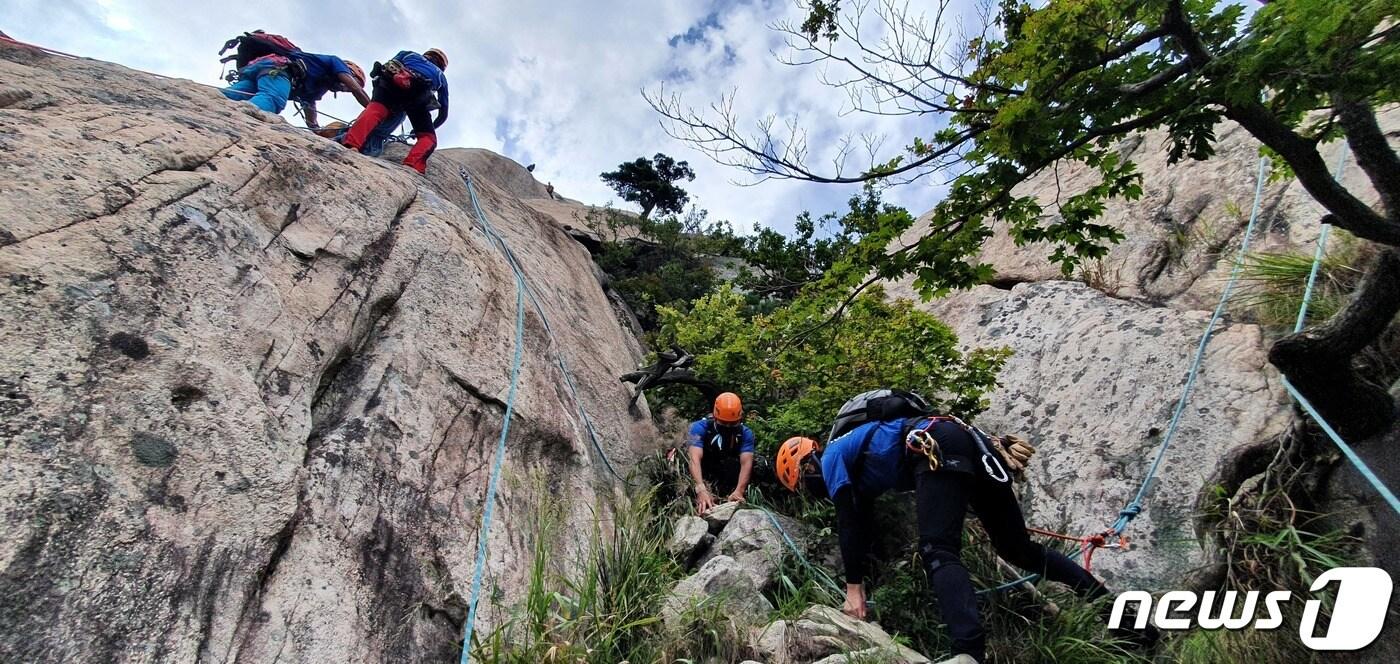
[[251, 383]]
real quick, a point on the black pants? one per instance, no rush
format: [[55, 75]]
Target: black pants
[[942, 501], [416, 101], [721, 472]]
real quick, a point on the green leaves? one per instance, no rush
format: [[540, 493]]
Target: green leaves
[[793, 374]]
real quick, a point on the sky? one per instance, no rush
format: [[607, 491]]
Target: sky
[[557, 84]]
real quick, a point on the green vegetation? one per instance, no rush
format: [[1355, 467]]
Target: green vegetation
[[796, 375], [651, 183], [1272, 544], [657, 262], [606, 612], [1272, 284]]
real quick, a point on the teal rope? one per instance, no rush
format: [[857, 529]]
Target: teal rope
[[1321, 251], [484, 534], [514, 263], [1307, 406], [823, 576], [1133, 508], [522, 290], [1346, 449]]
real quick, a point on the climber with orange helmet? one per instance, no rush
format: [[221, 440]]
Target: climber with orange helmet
[[408, 85], [721, 453], [890, 440], [326, 73]]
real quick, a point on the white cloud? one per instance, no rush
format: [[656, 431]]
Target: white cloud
[[557, 84]]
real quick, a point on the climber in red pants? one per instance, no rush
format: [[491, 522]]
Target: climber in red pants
[[409, 84]]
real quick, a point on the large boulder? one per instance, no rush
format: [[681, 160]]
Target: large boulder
[[822, 632], [721, 590], [690, 539], [754, 541], [253, 383]]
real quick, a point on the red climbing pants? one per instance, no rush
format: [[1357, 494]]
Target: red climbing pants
[[369, 118], [423, 146]]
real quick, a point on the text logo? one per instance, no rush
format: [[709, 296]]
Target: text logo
[[1363, 599]]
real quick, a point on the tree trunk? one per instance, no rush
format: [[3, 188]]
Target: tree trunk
[[1320, 361]]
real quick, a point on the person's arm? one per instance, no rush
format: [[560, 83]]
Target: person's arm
[[353, 87], [308, 110], [442, 104], [745, 469], [703, 500], [852, 550]]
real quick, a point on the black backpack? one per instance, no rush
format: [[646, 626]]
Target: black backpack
[[256, 44], [877, 405]]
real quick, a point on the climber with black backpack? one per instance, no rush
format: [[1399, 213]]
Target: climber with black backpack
[[411, 85], [886, 440], [270, 70]]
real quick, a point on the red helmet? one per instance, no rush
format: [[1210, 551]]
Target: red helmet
[[728, 409]]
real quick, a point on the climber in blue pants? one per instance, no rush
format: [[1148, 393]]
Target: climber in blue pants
[[265, 82]]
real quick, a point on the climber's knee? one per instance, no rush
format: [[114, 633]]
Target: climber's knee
[[937, 556]]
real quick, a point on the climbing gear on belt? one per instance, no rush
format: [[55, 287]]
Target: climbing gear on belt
[[991, 461], [1015, 451], [920, 441]]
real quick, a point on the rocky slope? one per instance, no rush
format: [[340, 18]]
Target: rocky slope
[[252, 382]]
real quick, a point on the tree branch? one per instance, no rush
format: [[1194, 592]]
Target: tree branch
[[1347, 210], [1372, 151]]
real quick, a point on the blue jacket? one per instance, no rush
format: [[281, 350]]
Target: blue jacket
[[322, 76], [429, 72], [882, 459]]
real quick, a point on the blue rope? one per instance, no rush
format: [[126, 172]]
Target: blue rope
[[829, 582], [522, 290], [1346, 449], [1321, 251], [484, 534], [509, 254], [1351, 455], [1134, 507]]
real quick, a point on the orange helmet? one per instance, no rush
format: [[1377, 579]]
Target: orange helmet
[[791, 455], [437, 56], [728, 409], [355, 71]]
